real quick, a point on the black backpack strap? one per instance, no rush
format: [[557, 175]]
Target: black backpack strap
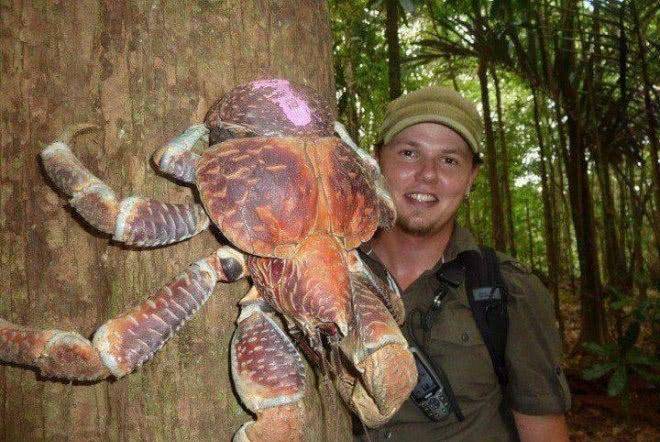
[[487, 295]]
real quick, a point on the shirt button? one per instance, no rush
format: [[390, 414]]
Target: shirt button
[[465, 337], [388, 434]]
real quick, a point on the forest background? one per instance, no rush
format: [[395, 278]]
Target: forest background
[[570, 186]]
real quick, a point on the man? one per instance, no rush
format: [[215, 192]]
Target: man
[[428, 151]]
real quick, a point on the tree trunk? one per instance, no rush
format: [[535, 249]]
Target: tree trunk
[[528, 220], [551, 244], [651, 128], [497, 214], [566, 215], [393, 47], [594, 326], [143, 72], [506, 187]]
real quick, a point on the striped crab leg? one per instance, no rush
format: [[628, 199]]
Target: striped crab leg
[[126, 342], [135, 221], [268, 374]]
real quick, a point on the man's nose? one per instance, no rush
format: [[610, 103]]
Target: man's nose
[[428, 171]]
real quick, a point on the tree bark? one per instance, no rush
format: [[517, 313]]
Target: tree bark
[[142, 71], [651, 128], [506, 186], [566, 215], [593, 325], [481, 46], [551, 242], [530, 240], [393, 47], [497, 214]]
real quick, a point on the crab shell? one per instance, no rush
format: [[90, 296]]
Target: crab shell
[[269, 107], [269, 194]]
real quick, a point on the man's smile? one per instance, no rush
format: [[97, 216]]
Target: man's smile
[[419, 197]]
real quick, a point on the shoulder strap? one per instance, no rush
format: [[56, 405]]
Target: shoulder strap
[[487, 295]]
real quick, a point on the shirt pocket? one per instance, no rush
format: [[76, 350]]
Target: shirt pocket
[[456, 346]]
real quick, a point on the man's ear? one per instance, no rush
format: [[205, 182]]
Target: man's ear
[[473, 175]]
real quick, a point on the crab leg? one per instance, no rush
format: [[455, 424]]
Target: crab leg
[[385, 201], [268, 374], [386, 371], [127, 341], [135, 220], [389, 295], [176, 159]]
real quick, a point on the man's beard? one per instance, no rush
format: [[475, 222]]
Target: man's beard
[[416, 229]]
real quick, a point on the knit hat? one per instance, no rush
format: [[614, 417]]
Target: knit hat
[[433, 104]]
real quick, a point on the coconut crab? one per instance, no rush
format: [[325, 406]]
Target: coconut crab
[[294, 201]]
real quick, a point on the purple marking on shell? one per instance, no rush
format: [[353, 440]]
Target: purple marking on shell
[[295, 109]]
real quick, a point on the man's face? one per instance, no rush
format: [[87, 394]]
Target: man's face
[[429, 170]]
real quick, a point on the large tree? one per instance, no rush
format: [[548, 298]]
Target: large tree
[[142, 71]]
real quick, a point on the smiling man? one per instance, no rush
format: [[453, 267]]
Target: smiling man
[[492, 379]]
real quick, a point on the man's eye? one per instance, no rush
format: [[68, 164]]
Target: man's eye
[[407, 153], [450, 161]]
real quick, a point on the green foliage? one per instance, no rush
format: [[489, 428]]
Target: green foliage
[[621, 359], [530, 44]]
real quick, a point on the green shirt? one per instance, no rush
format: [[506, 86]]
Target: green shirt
[[536, 384]]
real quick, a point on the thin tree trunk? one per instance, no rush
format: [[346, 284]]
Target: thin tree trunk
[[614, 257], [142, 71], [497, 214], [566, 218], [651, 128], [637, 209], [624, 216], [594, 327], [528, 220], [504, 150], [393, 47], [551, 243]]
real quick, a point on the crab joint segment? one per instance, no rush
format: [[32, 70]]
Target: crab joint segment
[[147, 222], [56, 353], [127, 341], [135, 220], [269, 376], [176, 159]]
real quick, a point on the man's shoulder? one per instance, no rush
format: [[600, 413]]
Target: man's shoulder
[[519, 279], [510, 264]]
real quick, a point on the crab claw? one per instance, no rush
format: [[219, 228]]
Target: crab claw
[[384, 371]]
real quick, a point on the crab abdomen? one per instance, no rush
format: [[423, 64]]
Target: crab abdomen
[[312, 288]]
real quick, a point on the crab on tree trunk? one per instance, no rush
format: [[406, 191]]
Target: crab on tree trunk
[[295, 202]]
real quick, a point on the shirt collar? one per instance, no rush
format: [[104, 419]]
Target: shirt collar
[[461, 240]]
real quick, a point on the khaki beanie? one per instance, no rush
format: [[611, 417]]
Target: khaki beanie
[[433, 104]]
